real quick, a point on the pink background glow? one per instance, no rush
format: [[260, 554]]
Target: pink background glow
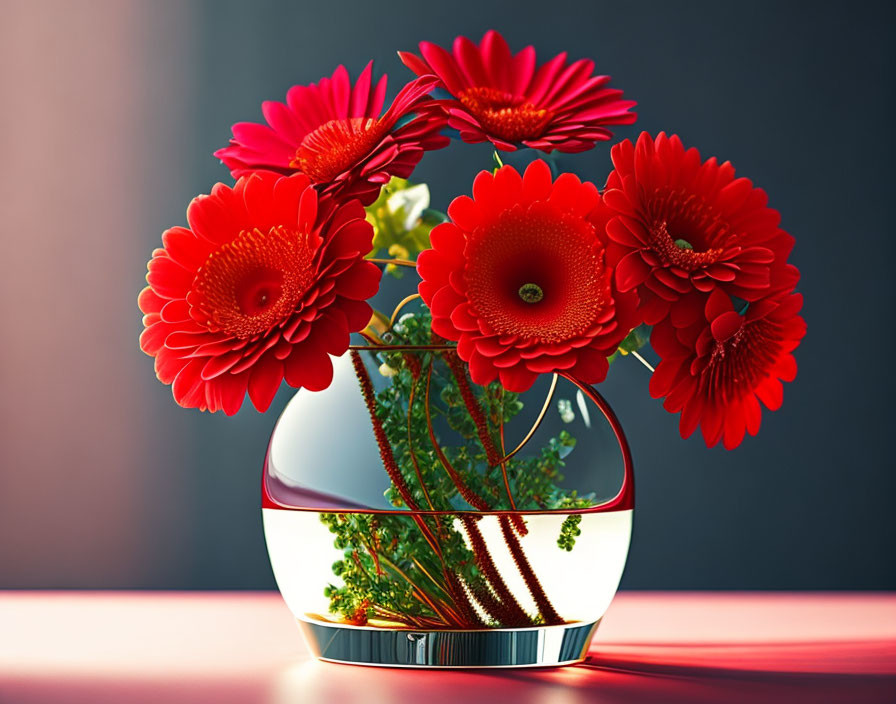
[[93, 101]]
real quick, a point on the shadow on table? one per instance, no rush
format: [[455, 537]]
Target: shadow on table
[[830, 671]]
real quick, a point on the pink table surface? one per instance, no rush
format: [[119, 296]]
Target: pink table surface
[[166, 648]]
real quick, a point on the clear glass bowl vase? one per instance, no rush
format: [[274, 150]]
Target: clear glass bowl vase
[[416, 519]]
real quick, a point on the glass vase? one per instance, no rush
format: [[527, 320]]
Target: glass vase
[[416, 519]]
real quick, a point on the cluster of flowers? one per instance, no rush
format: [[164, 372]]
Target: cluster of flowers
[[531, 275]]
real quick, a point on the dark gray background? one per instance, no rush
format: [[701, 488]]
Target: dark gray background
[[799, 96]]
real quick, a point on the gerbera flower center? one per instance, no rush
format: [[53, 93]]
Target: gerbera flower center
[[253, 282], [505, 115], [740, 362], [685, 231], [336, 146], [537, 274], [676, 250], [531, 293]]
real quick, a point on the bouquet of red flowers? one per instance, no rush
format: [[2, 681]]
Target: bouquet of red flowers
[[535, 273]]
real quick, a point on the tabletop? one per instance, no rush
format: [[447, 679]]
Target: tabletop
[[172, 647]]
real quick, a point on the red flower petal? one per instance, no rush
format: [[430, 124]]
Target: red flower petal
[[309, 368], [771, 393], [482, 372], [517, 378], [536, 182], [724, 327], [631, 271], [464, 212], [264, 380], [153, 337], [361, 281]]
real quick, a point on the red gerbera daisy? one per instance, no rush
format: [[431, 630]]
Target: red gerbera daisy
[[675, 226], [334, 134], [518, 279], [265, 284], [508, 100], [718, 370]]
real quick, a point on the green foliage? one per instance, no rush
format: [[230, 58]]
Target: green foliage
[[388, 565], [569, 531], [385, 560]]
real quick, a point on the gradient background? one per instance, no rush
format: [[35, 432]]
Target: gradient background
[[110, 112]]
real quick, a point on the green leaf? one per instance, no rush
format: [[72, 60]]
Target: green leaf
[[632, 342]]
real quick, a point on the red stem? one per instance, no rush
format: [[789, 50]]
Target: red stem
[[519, 557], [551, 617], [515, 615], [379, 432], [492, 455], [470, 496], [512, 612], [489, 602], [462, 601], [388, 459], [473, 408]]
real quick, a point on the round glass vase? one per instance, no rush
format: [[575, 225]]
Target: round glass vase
[[415, 519]]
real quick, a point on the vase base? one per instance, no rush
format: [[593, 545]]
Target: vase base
[[540, 646]]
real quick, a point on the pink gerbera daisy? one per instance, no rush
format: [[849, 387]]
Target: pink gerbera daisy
[[509, 100], [335, 134]]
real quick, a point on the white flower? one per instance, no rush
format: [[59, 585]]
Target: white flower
[[413, 201], [399, 324], [387, 371], [565, 409]]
